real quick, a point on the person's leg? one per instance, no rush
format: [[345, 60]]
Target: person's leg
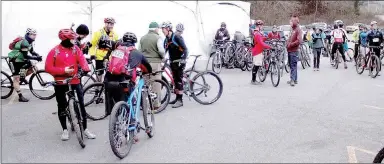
[[356, 51], [178, 75], [342, 52], [314, 51], [156, 86], [100, 73], [334, 48], [174, 68], [295, 58], [256, 65], [80, 96], [318, 59], [61, 100], [291, 66], [16, 80]]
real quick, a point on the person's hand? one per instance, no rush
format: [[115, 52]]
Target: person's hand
[[93, 57], [38, 58], [68, 70]]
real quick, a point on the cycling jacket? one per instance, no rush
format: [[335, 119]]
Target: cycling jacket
[[60, 57], [94, 50], [259, 44]]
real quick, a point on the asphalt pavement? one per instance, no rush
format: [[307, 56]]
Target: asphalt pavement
[[330, 116]]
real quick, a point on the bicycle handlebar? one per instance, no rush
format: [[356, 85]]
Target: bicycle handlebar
[[67, 80]]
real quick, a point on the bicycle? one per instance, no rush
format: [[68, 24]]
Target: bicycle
[[190, 83], [127, 130], [269, 65], [36, 74], [94, 73], [369, 61], [304, 57], [218, 56], [73, 111], [247, 58], [379, 156]]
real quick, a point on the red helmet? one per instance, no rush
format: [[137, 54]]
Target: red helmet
[[109, 20], [67, 34], [259, 22]]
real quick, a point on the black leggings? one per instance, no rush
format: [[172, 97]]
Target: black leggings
[[254, 72], [177, 72], [316, 57], [62, 103], [113, 94], [357, 46], [340, 47]]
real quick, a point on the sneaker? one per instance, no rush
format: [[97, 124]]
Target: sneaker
[[22, 98], [292, 83], [23, 81], [173, 101], [345, 65], [178, 104], [88, 134], [255, 83], [295, 82], [65, 135]]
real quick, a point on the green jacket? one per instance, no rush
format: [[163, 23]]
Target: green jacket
[[22, 45], [149, 46]]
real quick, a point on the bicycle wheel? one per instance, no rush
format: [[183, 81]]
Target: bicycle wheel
[[6, 85], [307, 60], [360, 64], [337, 60], [44, 87], [87, 80], [119, 135], [262, 73], [94, 93], [275, 71], [374, 68], [200, 83], [249, 61], [74, 111], [148, 114], [379, 156], [229, 52], [164, 96], [217, 63]]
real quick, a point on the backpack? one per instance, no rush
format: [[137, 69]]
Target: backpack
[[166, 44], [339, 35], [13, 43], [119, 60]]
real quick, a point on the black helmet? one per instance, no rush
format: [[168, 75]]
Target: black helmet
[[223, 24], [129, 37], [82, 30]]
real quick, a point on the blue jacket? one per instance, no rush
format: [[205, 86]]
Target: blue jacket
[[363, 38]]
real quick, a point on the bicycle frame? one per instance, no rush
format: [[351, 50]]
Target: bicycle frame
[[133, 110]]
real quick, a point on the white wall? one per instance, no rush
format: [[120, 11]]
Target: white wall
[[49, 17]]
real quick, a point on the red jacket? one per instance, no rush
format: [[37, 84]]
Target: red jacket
[[295, 38], [65, 58], [273, 36], [259, 45]]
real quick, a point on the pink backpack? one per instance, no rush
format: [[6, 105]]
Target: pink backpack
[[119, 60]]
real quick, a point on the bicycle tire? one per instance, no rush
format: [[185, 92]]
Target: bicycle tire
[[98, 94], [113, 123], [165, 101], [360, 61], [149, 127], [87, 82], [72, 105], [337, 60], [33, 91], [379, 156], [194, 96], [11, 85], [273, 66], [287, 69], [230, 54], [376, 62], [301, 57], [262, 73], [219, 65], [249, 61]]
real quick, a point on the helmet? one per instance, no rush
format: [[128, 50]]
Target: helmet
[[223, 24], [167, 24], [373, 22], [67, 34], [259, 22], [339, 23], [82, 30], [129, 37], [180, 27], [31, 31], [109, 20]]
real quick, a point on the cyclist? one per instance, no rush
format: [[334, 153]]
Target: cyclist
[[82, 32], [222, 33], [151, 45], [318, 45], [102, 40], [340, 37], [375, 38], [257, 50], [20, 60], [62, 62], [356, 40], [363, 41], [178, 52], [274, 34], [114, 93]]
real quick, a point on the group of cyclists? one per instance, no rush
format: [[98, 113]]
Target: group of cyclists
[[120, 56]]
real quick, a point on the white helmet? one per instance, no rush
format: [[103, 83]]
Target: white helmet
[[167, 24], [31, 31], [180, 27]]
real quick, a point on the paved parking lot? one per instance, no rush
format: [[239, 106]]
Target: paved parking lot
[[330, 116]]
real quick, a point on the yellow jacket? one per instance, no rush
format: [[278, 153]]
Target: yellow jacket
[[355, 35], [94, 50]]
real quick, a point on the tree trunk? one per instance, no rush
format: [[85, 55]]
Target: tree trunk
[[356, 6], [314, 17]]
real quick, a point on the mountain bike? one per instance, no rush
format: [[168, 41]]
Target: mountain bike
[[73, 111], [369, 61], [197, 84], [379, 156], [124, 124], [270, 65], [304, 57], [42, 84], [218, 56]]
